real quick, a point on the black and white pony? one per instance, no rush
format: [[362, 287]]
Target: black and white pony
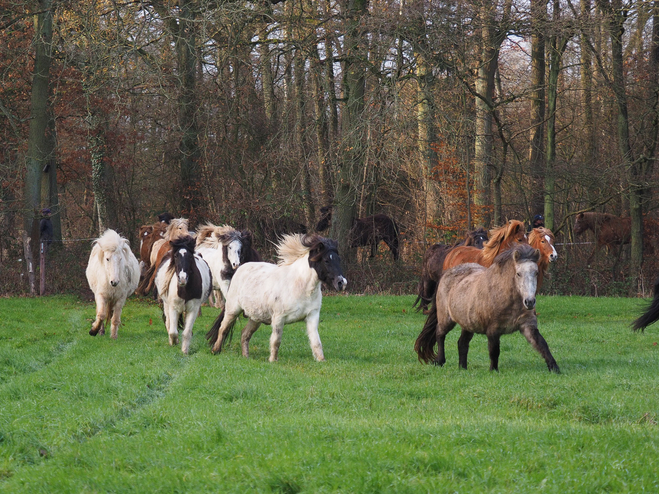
[[184, 282], [224, 249], [282, 293]]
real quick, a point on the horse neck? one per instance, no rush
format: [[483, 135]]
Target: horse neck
[[301, 275]]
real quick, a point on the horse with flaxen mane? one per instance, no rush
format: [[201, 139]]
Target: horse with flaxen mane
[[542, 238], [432, 267], [501, 239], [283, 293], [493, 301]]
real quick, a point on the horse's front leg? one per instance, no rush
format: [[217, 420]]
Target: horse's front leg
[[101, 316], [172, 324], [494, 346], [536, 340], [275, 339], [116, 319], [186, 337], [246, 335], [314, 338], [463, 347]]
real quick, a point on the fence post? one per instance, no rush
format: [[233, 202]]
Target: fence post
[[42, 269], [30, 262]]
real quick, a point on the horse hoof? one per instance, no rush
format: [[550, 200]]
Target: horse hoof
[[92, 332]]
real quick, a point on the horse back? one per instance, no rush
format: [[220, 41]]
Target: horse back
[[462, 255]]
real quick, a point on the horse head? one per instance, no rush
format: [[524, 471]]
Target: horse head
[[183, 258], [324, 259], [113, 250], [526, 259], [476, 238], [581, 224], [543, 240]]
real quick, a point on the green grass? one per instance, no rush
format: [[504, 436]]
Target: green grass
[[83, 414]]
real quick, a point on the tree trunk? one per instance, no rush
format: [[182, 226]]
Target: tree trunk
[[426, 134], [537, 160], [587, 89]]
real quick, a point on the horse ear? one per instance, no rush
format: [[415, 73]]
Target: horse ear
[[516, 255], [580, 215]]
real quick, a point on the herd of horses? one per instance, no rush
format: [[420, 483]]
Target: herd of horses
[[486, 283]]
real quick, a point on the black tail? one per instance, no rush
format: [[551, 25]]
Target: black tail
[[145, 285], [214, 333], [425, 342], [651, 314], [423, 299]]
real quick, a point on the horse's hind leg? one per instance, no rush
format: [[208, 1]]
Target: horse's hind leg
[[494, 346], [463, 347], [443, 327], [246, 335], [275, 340], [536, 340]]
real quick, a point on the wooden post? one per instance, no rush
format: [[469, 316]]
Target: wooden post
[[42, 269], [30, 262]]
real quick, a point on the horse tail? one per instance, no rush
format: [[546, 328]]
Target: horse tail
[[651, 314], [214, 333], [425, 342], [145, 285]]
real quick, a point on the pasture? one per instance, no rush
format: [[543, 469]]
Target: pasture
[[85, 414]]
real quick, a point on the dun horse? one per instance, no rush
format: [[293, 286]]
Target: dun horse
[[184, 282], [493, 301], [113, 273], [280, 294], [433, 261]]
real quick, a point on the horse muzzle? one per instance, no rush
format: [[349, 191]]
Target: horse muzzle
[[114, 283], [529, 303], [340, 283], [553, 257]]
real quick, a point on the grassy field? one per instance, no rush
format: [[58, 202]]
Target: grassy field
[[83, 414]]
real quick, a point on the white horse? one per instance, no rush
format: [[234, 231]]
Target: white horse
[[184, 282], [112, 273], [224, 248], [280, 294]]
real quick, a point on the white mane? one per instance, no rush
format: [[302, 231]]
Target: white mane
[[290, 249], [214, 236]]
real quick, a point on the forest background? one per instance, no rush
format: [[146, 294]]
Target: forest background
[[444, 115]]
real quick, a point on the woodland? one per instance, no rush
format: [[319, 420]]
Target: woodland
[[446, 115]]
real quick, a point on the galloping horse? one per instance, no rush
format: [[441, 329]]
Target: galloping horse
[[543, 239], [224, 249], [112, 273], [149, 235], [184, 282], [433, 261], [493, 301], [280, 294], [501, 239], [609, 229]]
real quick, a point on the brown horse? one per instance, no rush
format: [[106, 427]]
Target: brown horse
[[149, 234], [543, 239], [501, 239], [493, 301], [433, 261], [370, 231], [609, 230]]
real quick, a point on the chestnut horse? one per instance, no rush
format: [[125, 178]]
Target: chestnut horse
[[610, 230], [149, 235], [501, 239], [493, 301], [433, 260], [542, 238]]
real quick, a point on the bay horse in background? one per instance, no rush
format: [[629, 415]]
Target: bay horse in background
[[282, 293], [183, 281], [609, 230], [493, 301], [432, 267], [149, 234], [542, 238], [112, 273], [501, 239], [177, 228], [224, 249]]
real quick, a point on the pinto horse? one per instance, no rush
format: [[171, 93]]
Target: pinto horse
[[433, 261], [224, 249], [543, 239], [493, 301], [501, 239], [149, 235], [112, 273], [184, 282], [280, 294]]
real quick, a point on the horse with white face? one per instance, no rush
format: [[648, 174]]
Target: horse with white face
[[493, 301], [224, 249], [280, 294], [184, 282], [112, 273]]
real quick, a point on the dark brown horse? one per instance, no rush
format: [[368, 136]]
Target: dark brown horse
[[433, 261], [609, 230], [493, 301], [370, 231], [149, 235], [501, 239]]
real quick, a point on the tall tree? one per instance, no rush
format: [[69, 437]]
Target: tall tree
[[537, 160]]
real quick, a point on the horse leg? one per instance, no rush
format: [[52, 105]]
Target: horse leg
[[186, 337], [536, 340], [443, 327], [172, 324], [314, 338], [463, 347], [101, 316], [228, 319], [116, 319], [246, 335], [493, 345], [275, 340]]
